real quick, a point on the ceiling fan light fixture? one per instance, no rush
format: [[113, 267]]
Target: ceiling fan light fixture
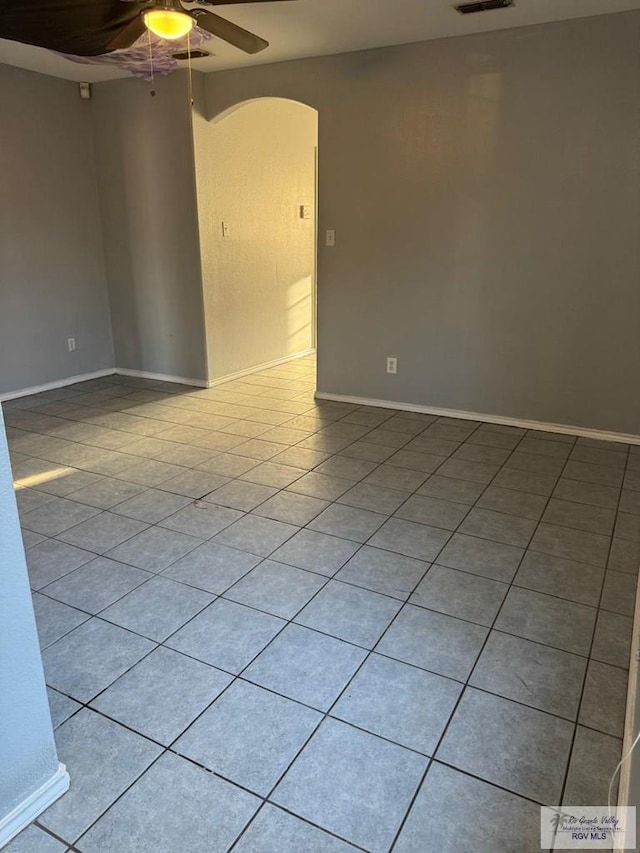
[[168, 23]]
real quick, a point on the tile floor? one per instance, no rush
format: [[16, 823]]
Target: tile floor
[[275, 625]]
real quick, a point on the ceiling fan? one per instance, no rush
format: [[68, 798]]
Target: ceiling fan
[[96, 27]]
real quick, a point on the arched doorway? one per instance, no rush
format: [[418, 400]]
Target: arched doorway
[[256, 185]]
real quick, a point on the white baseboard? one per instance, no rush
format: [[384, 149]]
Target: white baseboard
[[161, 377], [29, 809], [145, 374], [258, 367], [100, 374], [600, 434], [59, 383]]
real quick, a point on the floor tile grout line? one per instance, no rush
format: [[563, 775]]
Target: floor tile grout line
[[298, 817], [590, 658], [121, 795], [286, 622], [431, 562], [555, 595], [160, 484], [512, 582], [305, 471], [44, 589], [368, 650], [262, 559], [265, 799], [167, 748], [467, 681], [312, 407], [368, 656], [97, 555], [449, 456], [234, 675], [99, 614], [49, 832], [485, 782], [148, 525], [104, 554], [396, 450], [327, 713], [160, 573], [303, 527], [142, 437], [411, 494], [240, 674], [87, 707], [453, 710], [222, 594], [422, 607]]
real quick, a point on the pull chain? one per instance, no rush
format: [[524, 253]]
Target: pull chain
[[190, 69], [153, 91]]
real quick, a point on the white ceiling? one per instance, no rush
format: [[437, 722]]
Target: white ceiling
[[300, 28]]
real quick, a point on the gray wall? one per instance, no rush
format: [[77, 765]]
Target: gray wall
[[28, 757], [485, 196], [52, 284], [144, 152]]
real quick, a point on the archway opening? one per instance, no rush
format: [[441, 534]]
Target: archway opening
[[256, 167]]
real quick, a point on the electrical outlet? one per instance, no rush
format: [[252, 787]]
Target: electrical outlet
[[392, 364], [331, 237], [71, 344], [225, 229], [306, 211]]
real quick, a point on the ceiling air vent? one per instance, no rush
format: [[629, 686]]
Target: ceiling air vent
[[483, 6], [195, 54]]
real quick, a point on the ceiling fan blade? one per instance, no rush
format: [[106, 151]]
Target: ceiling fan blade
[[233, 2], [77, 27], [229, 32], [128, 35]]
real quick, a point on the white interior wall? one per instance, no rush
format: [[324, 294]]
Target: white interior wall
[[30, 776], [255, 167]]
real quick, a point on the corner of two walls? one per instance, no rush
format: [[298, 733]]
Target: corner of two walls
[[99, 232], [145, 159], [52, 280]]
